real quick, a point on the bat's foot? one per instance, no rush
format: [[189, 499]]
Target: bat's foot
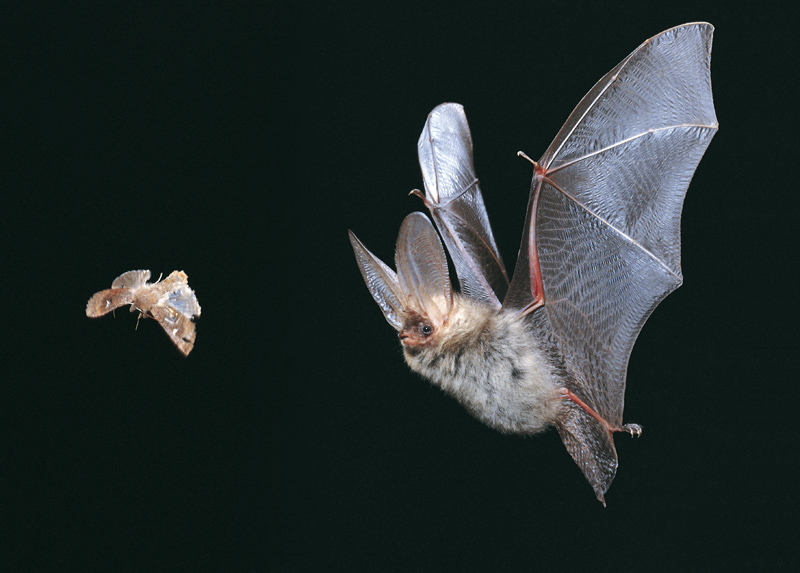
[[633, 429]]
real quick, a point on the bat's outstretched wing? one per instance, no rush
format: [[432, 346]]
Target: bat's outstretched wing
[[604, 222], [454, 198]]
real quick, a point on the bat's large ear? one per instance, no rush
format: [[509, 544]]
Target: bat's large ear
[[382, 283], [422, 268]]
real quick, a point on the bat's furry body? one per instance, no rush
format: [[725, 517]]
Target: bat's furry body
[[489, 361]]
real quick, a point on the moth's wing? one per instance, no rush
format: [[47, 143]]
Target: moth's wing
[[178, 326], [131, 279], [453, 196], [107, 300], [175, 309], [179, 295], [184, 301], [607, 199]]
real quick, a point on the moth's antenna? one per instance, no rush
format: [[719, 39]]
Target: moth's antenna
[[159, 277]]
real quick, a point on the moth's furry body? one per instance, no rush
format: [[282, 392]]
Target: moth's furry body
[[490, 362]]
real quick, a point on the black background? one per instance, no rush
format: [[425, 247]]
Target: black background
[[239, 142]]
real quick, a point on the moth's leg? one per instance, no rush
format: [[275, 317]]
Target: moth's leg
[[632, 429], [142, 313]]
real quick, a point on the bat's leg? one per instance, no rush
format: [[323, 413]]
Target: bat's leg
[[632, 429]]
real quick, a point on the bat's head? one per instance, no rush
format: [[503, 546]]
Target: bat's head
[[418, 299]]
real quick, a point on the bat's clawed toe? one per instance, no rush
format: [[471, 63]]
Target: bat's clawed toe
[[633, 429]]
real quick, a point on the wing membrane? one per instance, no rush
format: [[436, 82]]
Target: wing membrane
[[608, 224], [453, 196], [665, 82], [606, 201]]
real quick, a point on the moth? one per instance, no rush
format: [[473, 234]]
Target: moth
[[600, 249], [171, 302]]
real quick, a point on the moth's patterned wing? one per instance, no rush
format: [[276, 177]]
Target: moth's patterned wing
[[174, 291], [131, 279], [179, 328], [176, 307], [184, 301], [173, 281], [107, 300]]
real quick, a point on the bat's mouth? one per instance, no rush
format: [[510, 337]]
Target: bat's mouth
[[409, 340]]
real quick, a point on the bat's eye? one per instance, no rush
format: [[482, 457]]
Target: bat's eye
[[417, 332]]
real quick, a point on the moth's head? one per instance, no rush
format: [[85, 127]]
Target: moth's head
[[416, 300]]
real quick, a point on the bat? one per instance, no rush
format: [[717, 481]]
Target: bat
[[171, 302], [600, 249]]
